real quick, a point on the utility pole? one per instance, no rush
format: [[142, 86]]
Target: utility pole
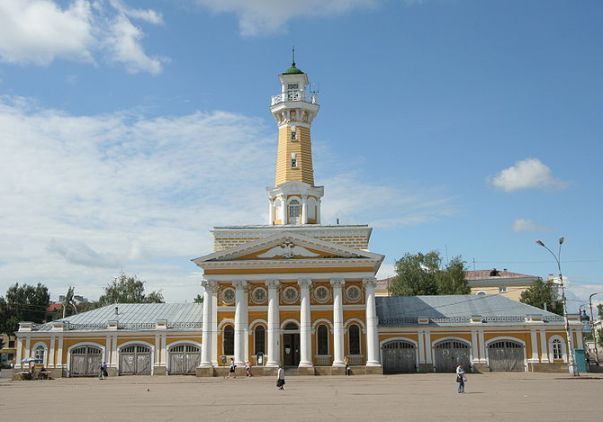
[[571, 361]]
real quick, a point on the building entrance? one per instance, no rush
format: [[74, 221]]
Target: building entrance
[[291, 349]]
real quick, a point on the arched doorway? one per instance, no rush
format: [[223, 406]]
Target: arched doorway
[[399, 356], [291, 344], [449, 353], [85, 361], [184, 358], [135, 359], [506, 355]]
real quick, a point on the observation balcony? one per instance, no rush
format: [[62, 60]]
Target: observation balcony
[[295, 96]]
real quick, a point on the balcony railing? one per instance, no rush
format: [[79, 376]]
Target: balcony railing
[[306, 97]]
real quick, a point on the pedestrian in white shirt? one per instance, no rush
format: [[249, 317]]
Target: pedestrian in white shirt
[[460, 377]]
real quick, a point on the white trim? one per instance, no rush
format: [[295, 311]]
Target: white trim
[[326, 276], [407, 340], [287, 321], [322, 321], [224, 322], [563, 348], [259, 323], [329, 335], [86, 343], [514, 339], [361, 333], [357, 321]]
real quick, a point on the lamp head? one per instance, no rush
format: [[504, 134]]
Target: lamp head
[[561, 240], [540, 242]]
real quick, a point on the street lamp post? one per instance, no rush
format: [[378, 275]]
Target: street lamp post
[[592, 324], [571, 362]]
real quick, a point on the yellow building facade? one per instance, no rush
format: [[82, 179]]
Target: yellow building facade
[[299, 294]]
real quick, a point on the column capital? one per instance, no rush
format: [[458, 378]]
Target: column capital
[[239, 284], [210, 286], [273, 284], [304, 283], [369, 282], [337, 283]]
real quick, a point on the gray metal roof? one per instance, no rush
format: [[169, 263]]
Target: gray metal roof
[[136, 316], [405, 310]]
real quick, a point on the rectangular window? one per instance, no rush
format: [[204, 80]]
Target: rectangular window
[[502, 290], [292, 86], [293, 160], [293, 135]]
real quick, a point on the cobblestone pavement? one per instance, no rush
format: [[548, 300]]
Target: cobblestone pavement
[[413, 397]]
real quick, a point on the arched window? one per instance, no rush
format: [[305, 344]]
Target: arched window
[[39, 352], [260, 339], [228, 340], [557, 350], [323, 340], [294, 211], [354, 339]]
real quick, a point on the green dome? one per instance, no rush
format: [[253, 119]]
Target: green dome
[[293, 70]]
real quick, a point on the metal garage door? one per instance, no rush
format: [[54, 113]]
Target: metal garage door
[[449, 353], [399, 356], [184, 359], [506, 355], [85, 361], [135, 360]]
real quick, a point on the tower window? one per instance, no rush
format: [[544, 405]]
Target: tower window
[[294, 212], [293, 134], [292, 86], [293, 160]]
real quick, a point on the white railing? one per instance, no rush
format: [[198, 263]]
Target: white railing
[[323, 360], [306, 97], [355, 360]]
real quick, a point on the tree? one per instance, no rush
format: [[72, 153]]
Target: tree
[[421, 274], [23, 303], [198, 299], [68, 302], [128, 289], [541, 293]]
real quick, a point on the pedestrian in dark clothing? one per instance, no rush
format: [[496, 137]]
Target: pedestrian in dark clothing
[[461, 378]]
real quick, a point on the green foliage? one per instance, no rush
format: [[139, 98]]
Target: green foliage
[[542, 292], [23, 303], [600, 309], [198, 299], [422, 274], [128, 289]]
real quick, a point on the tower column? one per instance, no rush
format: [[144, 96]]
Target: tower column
[[304, 210], [273, 324], [305, 325], [372, 335], [206, 344], [240, 328], [271, 213], [338, 351]]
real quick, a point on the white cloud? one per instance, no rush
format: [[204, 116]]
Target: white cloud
[[40, 31], [527, 174], [267, 16], [86, 197], [522, 225]]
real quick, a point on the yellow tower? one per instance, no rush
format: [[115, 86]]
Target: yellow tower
[[294, 199]]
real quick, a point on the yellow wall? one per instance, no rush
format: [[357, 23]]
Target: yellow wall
[[302, 147]]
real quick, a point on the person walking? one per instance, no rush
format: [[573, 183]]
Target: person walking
[[102, 373], [280, 378], [232, 369], [461, 378], [248, 372]]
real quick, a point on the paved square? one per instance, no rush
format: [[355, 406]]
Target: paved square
[[413, 397]]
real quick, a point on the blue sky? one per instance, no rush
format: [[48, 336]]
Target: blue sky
[[129, 128]]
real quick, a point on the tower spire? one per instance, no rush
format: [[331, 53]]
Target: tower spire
[[293, 56]]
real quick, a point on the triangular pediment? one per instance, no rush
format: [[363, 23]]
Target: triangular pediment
[[288, 246]]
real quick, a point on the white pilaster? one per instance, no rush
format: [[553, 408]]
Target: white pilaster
[[107, 357], [206, 344], [59, 358], [544, 349], [318, 212], [482, 346], [421, 341], [27, 346], [157, 357], [372, 335], [338, 350], [214, 326], [283, 210], [304, 210], [534, 346], [19, 357], [305, 322], [271, 212], [273, 324], [113, 363], [50, 357], [474, 347], [240, 326], [163, 349], [428, 358]]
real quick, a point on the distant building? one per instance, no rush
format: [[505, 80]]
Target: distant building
[[8, 351], [497, 282]]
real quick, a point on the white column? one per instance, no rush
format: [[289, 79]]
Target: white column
[[50, 357], [318, 212], [214, 326], [163, 349], [271, 212], [273, 324], [206, 344], [421, 343], [482, 346], [474, 347], [107, 357], [239, 326], [305, 322], [544, 349], [246, 322], [114, 351], [27, 346], [157, 357], [534, 345], [304, 210], [19, 352], [338, 350], [372, 335], [59, 358], [283, 210], [428, 358]]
